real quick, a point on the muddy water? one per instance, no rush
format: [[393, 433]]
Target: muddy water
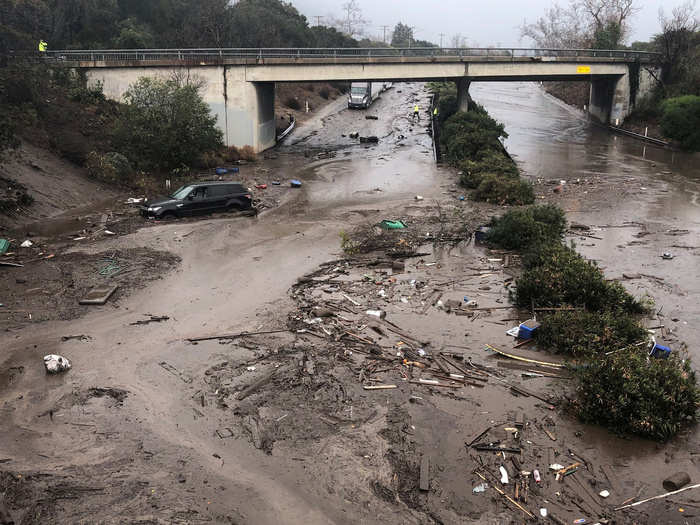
[[652, 206]]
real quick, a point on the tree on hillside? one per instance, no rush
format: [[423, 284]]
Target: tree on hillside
[[678, 44], [582, 23], [351, 22], [402, 36], [165, 125]]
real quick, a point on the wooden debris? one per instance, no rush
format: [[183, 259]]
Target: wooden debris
[[379, 387], [253, 387], [424, 483], [233, 336]]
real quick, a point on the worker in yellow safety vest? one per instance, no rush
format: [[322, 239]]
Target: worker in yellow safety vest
[[435, 112], [416, 112], [43, 46]]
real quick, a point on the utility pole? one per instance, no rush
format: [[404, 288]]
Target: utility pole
[[384, 28], [318, 19], [441, 35]]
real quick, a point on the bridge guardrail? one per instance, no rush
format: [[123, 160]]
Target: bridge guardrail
[[145, 55]]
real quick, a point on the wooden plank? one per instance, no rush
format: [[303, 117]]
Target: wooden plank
[[380, 387], [424, 483], [98, 295]]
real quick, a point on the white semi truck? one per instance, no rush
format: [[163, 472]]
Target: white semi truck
[[362, 94]]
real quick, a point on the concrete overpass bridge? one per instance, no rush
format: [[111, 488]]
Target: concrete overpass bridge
[[240, 83]]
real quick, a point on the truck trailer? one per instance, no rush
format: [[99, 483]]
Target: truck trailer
[[362, 94]]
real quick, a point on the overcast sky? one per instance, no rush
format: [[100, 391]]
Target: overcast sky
[[483, 22]]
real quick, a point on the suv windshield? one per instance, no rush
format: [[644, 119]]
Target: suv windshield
[[181, 193]]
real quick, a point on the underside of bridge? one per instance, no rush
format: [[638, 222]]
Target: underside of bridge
[[242, 95]]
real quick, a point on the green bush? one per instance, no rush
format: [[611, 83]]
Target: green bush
[[489, 160], [528, 227], [556, 275], [589, 334], [466, 134], [112, 168], [499, 189], [164, 125], [681, 121], [630, 393]]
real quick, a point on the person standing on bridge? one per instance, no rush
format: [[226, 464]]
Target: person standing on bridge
[[416, 113], [43, 46]]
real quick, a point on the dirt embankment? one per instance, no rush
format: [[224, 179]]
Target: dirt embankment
[[575, 94], [291, 99]]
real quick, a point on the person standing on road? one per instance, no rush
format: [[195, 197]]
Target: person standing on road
[[435, 112], [416, 112], [43, 46]]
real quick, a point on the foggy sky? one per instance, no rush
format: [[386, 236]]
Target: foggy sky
[[483, 22]]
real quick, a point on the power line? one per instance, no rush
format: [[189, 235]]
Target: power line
[[318, 19]]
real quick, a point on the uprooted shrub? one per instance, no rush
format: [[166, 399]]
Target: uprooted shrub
[[488, 161], [630, 393], [112, 167], [584, 334], [500, 189], [524, 228], [556, 275], [466, 134]]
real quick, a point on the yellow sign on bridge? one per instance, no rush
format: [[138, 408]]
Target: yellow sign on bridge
[[583, 70]]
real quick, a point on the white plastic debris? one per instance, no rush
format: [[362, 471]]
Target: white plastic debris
[[504, 475], [419, 197], [513, 332], [543, 512], [556, 466], [421, 352], [56, 363], [250, 368], [27, 244], [404, 300], [480, 488], [381, 293], [381, 314], [133, 200], [107, 232], [471, 304], [604, 493]]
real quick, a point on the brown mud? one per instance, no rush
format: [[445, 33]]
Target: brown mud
[[278, 427]]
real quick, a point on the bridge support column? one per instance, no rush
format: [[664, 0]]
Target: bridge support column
[[463, 94], [610, 99]]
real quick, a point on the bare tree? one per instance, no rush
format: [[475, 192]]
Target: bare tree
[[558, 28], [458, 40], [609, 19], [675, 42], [352, 23]]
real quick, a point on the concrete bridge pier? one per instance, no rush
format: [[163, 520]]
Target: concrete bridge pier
[[463, 94], [610, 99], [244, 110]]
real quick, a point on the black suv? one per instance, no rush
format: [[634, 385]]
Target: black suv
[[199, 198]]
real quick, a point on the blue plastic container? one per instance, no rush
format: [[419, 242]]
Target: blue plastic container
[[660, 352], [235, 170], [481, 233], [221, 171], [527, 329], [295, 183]]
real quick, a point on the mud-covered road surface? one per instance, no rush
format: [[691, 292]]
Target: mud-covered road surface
[[150, 428]]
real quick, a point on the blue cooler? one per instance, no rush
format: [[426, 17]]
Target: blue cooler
[[527, 329], [659, 351]]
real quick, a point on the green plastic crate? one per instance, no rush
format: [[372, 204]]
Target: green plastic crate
[[4, 245]]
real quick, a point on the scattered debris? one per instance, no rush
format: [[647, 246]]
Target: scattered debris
[[151, 319], [55, 363], [98, 295], [676, 481], [27, 244]]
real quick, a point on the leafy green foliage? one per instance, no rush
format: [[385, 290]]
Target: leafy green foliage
[[402, 36], [681, 120], [588, 334], [488, 161], [165, 125], [556, 275], [465, 134], [524, 228], [499, 189], [632, 394]]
